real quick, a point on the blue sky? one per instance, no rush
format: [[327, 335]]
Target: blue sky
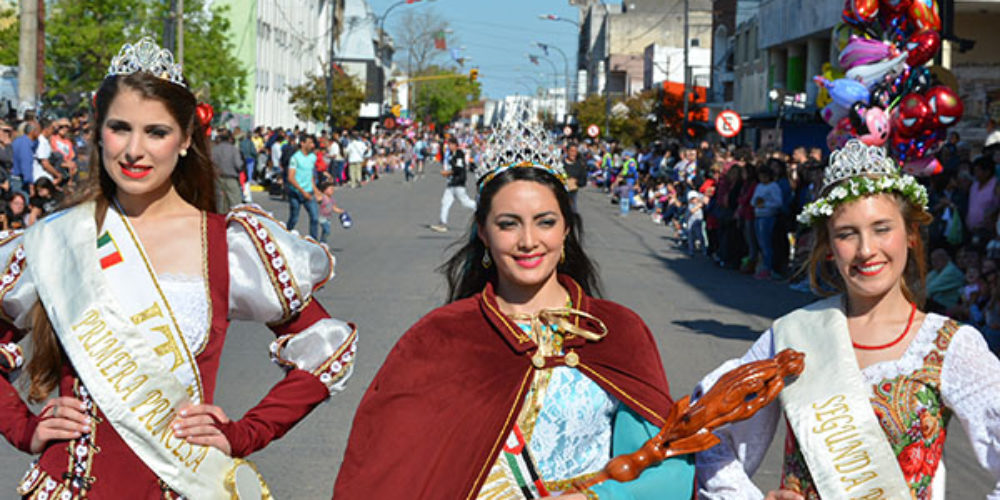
[[497, 34]]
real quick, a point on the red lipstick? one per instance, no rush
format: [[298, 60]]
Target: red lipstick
[[127, 170], [530, 261]]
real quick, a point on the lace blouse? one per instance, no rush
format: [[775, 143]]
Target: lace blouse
[[970, 387]]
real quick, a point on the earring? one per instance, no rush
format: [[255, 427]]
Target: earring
[[487, 261], [562, 256], [184, 152], [829, 256]]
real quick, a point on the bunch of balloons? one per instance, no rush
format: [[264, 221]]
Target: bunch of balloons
[[888, 96]]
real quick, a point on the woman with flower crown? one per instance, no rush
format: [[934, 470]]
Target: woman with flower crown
[[524, 383], [129, 311], [868, 416]]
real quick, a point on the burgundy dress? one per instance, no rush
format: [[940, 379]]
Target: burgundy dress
[[255, 270]]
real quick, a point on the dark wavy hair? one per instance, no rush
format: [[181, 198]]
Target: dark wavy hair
[[194, 178], [464, 271]]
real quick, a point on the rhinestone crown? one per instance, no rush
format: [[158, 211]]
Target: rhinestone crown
[[519, 139], [146, 55], [857, 159]]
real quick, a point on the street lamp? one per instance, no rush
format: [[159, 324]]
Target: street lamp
[[553, 17], [381, 44], [555, 72], [545, 48]]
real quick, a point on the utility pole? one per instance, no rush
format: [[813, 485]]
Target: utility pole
[[169, 29], [27, 57], [330, 67], [180, 32], [687, 67]]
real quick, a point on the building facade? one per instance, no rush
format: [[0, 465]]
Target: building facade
[[792, 46], [613, 39], [281, 43]]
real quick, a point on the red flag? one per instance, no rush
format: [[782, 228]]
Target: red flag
[[439, 41], [534, 59]]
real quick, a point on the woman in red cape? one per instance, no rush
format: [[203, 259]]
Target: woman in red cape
[[524, 383]]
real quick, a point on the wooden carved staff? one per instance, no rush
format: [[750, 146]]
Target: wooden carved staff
[[736, 396]]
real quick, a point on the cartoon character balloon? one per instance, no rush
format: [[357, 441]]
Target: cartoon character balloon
[[946, 106], [922, 46], [844, 91], [910, 116], [924, 15]]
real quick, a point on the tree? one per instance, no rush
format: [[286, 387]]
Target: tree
[[82, 36], [9, 36], [415, 34], [309, 100], [629, 121], [441, 99]]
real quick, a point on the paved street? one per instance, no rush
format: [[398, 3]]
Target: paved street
[[700, 315]]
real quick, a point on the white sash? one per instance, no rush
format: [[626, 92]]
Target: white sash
[[117, 329], [830, 412]]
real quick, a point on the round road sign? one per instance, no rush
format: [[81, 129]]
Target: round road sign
[[593, 130], [728, 124]]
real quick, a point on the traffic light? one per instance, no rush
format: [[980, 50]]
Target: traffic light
[[473, 74]]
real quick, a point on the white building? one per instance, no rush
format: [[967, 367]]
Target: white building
[[666, 64], [292, 43]]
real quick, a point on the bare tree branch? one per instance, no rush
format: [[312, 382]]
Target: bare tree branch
[[414, 34]]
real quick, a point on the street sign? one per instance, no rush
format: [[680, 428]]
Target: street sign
[[728, 124], [593, 130]]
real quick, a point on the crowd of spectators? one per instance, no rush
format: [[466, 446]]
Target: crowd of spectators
[[41, 160], [739, 208]]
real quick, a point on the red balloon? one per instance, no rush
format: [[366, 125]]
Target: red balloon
[[895, 5], [924, 15], [946, 106], [865, 10], [922, 47], [910, 116]]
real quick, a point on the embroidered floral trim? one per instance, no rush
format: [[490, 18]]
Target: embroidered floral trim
[[858, 187], [11, 358], [257, 210], [12, 273], [909, 409], [275, 263], [337, 367]]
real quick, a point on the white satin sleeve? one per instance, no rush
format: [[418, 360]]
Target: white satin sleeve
[[970, 386], [273, 272], [724, 470], [17, 290]]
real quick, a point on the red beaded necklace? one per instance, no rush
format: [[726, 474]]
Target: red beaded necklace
[[909, 323]]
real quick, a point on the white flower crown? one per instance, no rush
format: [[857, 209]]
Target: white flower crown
[[857, 171]]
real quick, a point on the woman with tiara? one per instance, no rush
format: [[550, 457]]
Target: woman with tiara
[[525, 382], [900, 374], [127, 294]]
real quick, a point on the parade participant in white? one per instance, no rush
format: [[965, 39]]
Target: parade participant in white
[[900, 373]]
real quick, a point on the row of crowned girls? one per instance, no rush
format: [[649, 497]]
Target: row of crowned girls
[[523, 385]]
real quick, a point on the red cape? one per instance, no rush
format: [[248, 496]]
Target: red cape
[[432, 422]]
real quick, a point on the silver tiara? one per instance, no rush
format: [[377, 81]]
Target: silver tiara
[[149, 57], [519, 138], [857, 159]]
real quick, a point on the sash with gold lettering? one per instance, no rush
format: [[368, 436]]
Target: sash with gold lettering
[[830, 412], [120, 334]]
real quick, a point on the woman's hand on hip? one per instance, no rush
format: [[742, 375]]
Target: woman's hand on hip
[[63, 418], [784, 495], [198, 424]]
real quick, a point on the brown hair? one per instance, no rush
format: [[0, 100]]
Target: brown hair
[[912, 284], [194, 178]]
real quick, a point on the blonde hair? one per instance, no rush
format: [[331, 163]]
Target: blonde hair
[[914, 218]]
